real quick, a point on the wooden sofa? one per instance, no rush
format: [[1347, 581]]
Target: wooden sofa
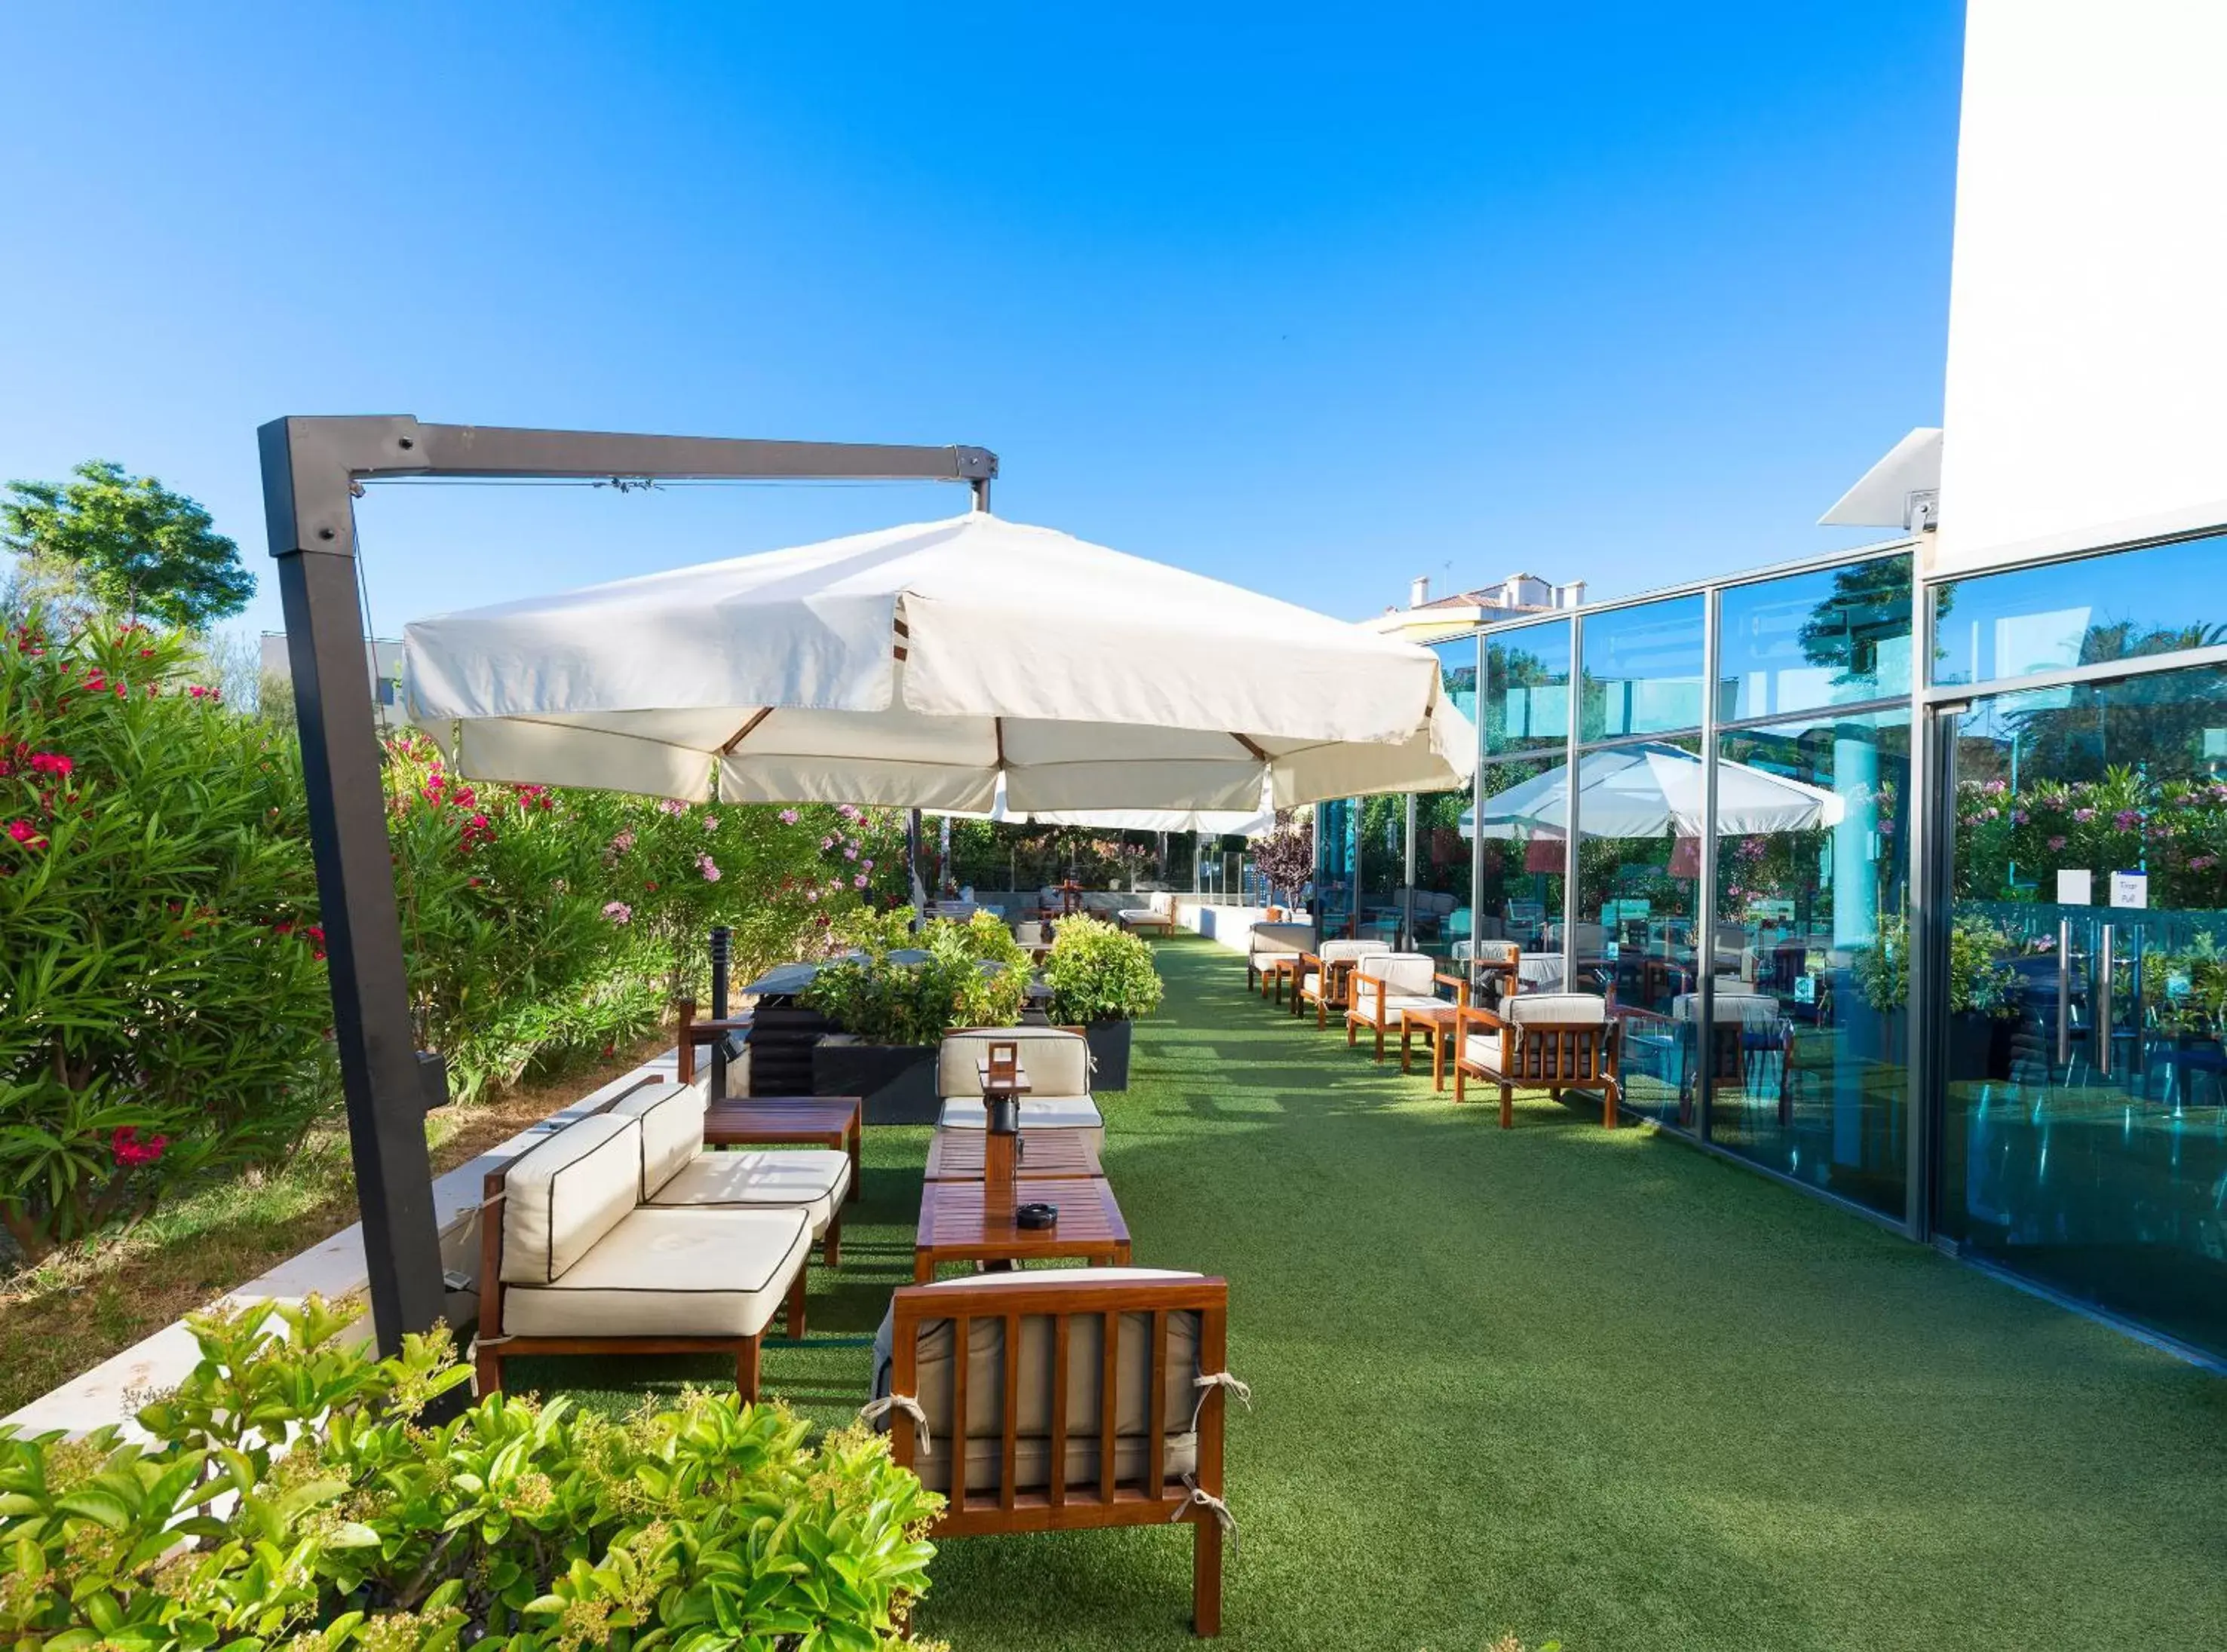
[[1158, 915], [1384, 984], [1550, 1041], [1057, 1062], [607, 1237], [1066, 1427]]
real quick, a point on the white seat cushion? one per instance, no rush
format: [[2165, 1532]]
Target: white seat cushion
[[1057, 1061], [1311, 982], [671, 1273], [1528, 1009], [1364, 1006], [566, 1195], [1032, 1445], [810, 1179], [671, 1128], [1037, 1113], [1756, 1012]]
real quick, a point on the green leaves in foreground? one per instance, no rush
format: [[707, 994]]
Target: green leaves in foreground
[[293, 1498]]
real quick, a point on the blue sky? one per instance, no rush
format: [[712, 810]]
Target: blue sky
[[1314, 299]]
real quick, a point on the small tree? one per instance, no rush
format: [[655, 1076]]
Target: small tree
[[141, 550], [1286, 856]]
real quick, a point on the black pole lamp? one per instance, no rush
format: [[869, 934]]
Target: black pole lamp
[[311, 469]]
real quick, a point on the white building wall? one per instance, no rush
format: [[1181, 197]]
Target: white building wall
[[2086, 401]]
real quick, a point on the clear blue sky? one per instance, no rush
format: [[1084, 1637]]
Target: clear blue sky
[[1310, 298]]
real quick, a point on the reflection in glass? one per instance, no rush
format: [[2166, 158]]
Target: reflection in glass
[[1457, 673], [1804, 1051], [1380, 849], [1526, 701], [1829, 638], [1643, 669], [1440, 917], [1519, 892], [2119, 607], [1331, 899], [2084, 1142]]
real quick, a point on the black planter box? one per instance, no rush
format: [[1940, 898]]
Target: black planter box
[[897, 1082], [1109, 1053]]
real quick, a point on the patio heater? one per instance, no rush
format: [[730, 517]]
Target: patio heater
[[313, 468]]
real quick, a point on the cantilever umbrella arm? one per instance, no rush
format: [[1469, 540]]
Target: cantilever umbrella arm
[[311, 470]]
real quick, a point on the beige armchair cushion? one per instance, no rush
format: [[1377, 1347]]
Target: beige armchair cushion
[[986, 1399], [1530, 1009], [1347, 952], [1037, 1113], [810, 1179], [564, 1197], [1756, 1012], [1495, 951], [1410, 974], [671, 1273], [671, 1128], [1057, 1061], [1272, 938]]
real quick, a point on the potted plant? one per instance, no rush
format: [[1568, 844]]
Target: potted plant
[[1101, 979], [1983, 994], [891, 1008]]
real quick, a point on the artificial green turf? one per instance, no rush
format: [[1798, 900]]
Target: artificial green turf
[[1565, 1383]]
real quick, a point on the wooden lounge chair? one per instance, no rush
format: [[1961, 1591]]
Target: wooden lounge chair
[[1057, 1062], [1551, 1041], [1324, 976], [1745, 1029], [571, 1262], [1387, 983], [1271, 951], [1065, 1429], [1160, 914], [1495, 967]]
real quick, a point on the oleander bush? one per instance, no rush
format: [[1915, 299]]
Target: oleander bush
[[974, 975], [1099, 973], [296, 1494]]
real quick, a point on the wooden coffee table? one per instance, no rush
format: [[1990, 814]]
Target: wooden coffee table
[[1437, 1025], [959, 1222], [956, 1155], [788, 1121]]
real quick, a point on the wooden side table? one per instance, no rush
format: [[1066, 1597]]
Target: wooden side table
[[789, 1121], [963, 1221], [1437, 1025]]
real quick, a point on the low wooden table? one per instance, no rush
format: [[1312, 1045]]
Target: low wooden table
[[956, 1155], [1273, 969], [962, 1221], [1436, 1024], [788, 1121]]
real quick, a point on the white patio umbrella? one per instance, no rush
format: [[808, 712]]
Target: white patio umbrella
[[1654, 791], [914, 665], [1220, 823]]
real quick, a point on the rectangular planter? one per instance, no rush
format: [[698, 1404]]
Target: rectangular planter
[[1109, 1053], [897, 1082]]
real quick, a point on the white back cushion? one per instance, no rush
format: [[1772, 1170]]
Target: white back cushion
[[1755, 1011], [1527, 1009], [671, 1128], [1267, 938], [566, 1194], [1344, 952], [1409, 973], [1057, 1061]]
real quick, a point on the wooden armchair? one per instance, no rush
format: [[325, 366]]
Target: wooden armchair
[[1744, 1029], [1386, 984], [1092, 1397], [1325, 976], [1495, 969], [1272, 952], [1551, 1041], [694, 1033]]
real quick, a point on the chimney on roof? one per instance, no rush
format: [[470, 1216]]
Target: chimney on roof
[[1418, 591]]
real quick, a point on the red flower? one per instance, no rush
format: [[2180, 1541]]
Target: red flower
[[25, 833], [51, 762], [130, 1151]]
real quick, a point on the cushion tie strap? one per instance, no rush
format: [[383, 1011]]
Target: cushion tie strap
[[1208, 1383], [874, 1410], [1212, 1504]]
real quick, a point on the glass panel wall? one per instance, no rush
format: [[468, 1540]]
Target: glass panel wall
[[1442, 913], [1804, 1050], [1643, 669], [1381, 863], [2124, 606], [2084, 1138], [1526, 697], [1834, 637], [1521, 863], [1331, 900]]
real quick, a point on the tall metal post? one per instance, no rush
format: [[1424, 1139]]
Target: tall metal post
[[310, 467], [1703, 1035], [312, 526], [722, 941]]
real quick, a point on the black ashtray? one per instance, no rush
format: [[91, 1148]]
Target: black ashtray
[[1037, 1215]]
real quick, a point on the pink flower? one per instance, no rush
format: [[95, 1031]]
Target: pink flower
[[671, 806], [866, 865], [859, 882], [2018, 817], [2125, 820], [25, 833], [826, 844], [618, 912], [51, 762], [788, 817], [2202, 862], [812, 895], [2084, 815], [710, 868], [850, 854], [711, 823], [623, 842], [2056, 843]]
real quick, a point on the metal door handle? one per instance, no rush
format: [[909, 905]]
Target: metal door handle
[[2099, 997], [2064, 992]]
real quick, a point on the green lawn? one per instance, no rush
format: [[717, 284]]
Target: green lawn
[[1567, 1383]]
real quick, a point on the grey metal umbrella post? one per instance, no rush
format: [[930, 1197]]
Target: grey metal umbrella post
[[311, 469]]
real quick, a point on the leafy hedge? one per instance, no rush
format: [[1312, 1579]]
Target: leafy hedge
[[165, 1011], [294, 1496], [974, 974]]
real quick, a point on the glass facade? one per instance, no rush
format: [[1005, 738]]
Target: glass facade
[[1746, 806]]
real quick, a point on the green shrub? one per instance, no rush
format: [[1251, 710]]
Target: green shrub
[[1979, 980], [163, 1008], [536, 1527], [883, 1001], [1099, 973]]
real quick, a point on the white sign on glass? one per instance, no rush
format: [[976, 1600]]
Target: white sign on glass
[[2076, 886], [2130, 889]]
